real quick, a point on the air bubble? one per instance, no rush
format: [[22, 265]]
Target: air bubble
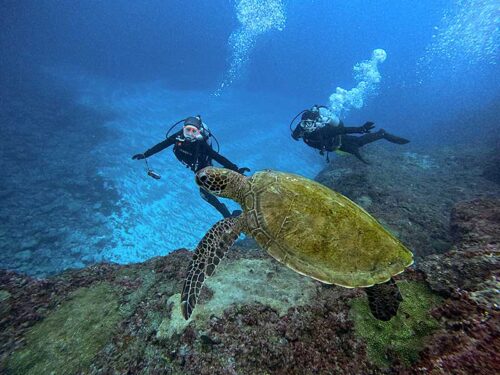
[[256, 17]]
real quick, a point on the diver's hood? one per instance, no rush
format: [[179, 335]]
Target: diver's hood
[[194, 129], [310, 115], [193, 121]]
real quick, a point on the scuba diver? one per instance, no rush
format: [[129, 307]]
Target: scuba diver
[[192, 148], [321, 129]]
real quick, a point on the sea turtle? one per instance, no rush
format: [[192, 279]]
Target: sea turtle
[[315, 231]]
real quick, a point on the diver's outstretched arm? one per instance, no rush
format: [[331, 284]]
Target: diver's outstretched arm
[[158, 147]]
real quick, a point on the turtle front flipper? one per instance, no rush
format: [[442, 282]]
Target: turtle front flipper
[[206, 257], [384, 300]]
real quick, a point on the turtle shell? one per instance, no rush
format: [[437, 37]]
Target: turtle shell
[[320, 233]]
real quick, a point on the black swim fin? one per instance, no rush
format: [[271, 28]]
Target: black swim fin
[[384, 300], [394, 139]]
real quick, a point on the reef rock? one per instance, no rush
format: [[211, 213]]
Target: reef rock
[[475, 225], [474, 263], [469, 275], [255, 316]]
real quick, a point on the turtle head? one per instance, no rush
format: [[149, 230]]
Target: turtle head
[[221, 182]]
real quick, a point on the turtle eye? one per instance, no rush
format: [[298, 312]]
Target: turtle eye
[[201, 178]]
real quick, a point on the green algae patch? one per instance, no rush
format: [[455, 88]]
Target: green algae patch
[[70, 337], [242, 282], [405, 334], [131, 301]]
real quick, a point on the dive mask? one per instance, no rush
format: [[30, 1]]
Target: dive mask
[[192, 133], [308, 125]]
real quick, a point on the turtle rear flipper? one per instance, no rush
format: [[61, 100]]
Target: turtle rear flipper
[[384, 300], [206, 257]]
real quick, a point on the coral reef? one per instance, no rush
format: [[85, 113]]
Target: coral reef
[[474, 224], [118, 305], [254, 339], [403, 337], [469, 277], [71, 336], [257, 317], [474, 264], [468, 344], [241, 282]]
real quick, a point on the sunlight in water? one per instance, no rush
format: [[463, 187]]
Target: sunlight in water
[[256, 17], [367, 75]]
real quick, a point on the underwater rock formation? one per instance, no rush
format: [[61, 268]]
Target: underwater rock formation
[[474, 224], [256, 316], [469, 276], [473, 265]]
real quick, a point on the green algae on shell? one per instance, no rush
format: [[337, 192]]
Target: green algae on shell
[[320, 233]]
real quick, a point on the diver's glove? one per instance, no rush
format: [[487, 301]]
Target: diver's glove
[[367, 127], [243, 170], [138, 157]]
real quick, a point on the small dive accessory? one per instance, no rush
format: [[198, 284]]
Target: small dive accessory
[[153, 174], [150, 172]]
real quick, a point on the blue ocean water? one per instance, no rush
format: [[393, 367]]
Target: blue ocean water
[[85, 85]]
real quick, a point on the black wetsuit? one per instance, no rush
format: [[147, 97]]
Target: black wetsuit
[[195, 155], [329, 138]]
